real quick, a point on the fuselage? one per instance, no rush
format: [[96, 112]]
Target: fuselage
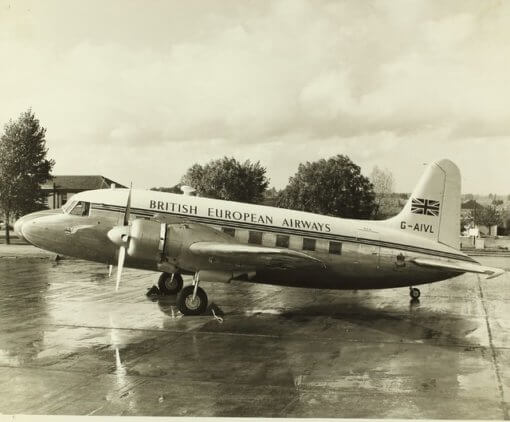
[[358, 254]]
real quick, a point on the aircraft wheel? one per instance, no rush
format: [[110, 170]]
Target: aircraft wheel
[[189, 306], [414, 293], [169, 286]]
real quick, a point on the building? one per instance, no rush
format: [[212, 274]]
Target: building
[[60, 188]]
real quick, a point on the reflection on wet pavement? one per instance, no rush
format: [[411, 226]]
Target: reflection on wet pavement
[[70, 345]]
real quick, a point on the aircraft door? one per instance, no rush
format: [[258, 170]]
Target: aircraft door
[[369, 250]]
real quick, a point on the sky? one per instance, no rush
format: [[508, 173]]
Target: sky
[[140, 91]]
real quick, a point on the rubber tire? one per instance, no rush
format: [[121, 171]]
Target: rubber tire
[[166, 288], [184, 297], [414, 293]]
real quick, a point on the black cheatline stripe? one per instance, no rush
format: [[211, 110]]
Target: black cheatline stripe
[[115, 208], [290, 231]]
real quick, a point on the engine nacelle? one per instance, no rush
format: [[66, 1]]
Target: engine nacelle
[[147, 240], [166, 245]]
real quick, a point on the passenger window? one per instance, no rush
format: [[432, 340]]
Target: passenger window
[[335, 248], [81, 208], [255, 238], [282, 241], [229, 230], [308, 244]]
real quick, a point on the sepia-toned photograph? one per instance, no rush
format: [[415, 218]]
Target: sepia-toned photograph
[[265, 209]]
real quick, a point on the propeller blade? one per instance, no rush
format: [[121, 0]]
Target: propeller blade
[[120, 266], [128, 207], [120, 236]]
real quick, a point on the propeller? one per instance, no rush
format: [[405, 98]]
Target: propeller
[[120, 266], [119, 235]]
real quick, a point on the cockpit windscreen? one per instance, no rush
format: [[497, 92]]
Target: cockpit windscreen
[[77, 208]]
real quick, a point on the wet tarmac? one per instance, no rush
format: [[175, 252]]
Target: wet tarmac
[[70, 345]]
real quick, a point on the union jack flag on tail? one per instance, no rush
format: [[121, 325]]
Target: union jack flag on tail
[[425, 207]]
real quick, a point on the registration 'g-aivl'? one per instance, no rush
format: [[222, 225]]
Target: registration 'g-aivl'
[[220, 241]]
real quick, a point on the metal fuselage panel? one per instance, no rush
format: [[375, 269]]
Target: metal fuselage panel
[[371, 256]]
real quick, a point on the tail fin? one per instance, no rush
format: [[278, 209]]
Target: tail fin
[[433, 210]]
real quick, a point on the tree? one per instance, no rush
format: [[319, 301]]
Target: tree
[[332, 187], [385, 202], [229, 179], [174, 189], [23, 167], [490, 215], [472, 210], [465, 222]]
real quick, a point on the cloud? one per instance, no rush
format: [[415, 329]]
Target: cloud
[[368, 77], [325, 69]]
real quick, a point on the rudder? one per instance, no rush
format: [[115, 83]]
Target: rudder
[[433, 210]]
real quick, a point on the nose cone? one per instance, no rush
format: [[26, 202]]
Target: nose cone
[[38, 231], [17, 227], [23, 227], [27, 229]]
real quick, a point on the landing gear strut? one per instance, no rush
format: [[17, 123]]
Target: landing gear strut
[[192, 300], [170, 284], [414, 293]]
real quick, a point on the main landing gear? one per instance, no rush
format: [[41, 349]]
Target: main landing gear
[[170, 284], [192, 300], [414, 293]]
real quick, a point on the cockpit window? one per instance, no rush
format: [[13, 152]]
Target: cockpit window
[[68, 206], [81, 208]]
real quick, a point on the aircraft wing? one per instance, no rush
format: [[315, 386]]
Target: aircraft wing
[[255, 256], [222, 248], [461, 267]]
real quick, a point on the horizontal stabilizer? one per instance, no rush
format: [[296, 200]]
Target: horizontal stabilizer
[[461, 267], [255, 256]]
